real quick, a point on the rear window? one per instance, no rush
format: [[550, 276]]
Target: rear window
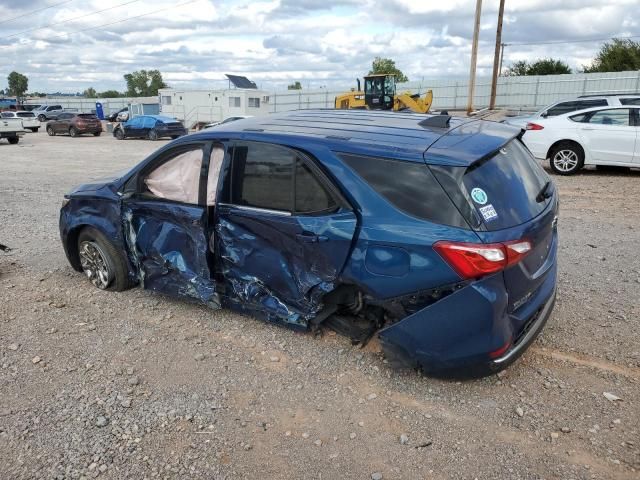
[[497, 192], [630, 101], [88, 116], [572, 106], [26, 114], [409, 186]]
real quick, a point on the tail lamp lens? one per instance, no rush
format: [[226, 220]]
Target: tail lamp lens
[[473, 260]]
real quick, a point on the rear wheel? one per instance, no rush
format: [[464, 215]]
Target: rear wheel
[[102, 263], [73, 132], [119, 134], [50, 131], [152, 135], [42, 118], [173, 137], [96, 134], [13, 140], [566, 158], [34, 129]]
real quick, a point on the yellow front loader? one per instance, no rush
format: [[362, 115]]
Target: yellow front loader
[[380, 94]]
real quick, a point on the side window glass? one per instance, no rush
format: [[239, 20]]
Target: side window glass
[[311, 196], [215, 164], [149, 122], [560, 108], [630, 101], [262, 176], [178, 178], [619, 117]]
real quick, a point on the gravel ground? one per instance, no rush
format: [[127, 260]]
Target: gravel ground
[[136, 385]]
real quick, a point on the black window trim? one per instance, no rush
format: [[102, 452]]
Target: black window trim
[[307, 159]]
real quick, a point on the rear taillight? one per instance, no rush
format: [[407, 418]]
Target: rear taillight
[[533, 126], [473, 260]]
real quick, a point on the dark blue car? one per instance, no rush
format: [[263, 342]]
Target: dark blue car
[[437, 234], [152, 127]]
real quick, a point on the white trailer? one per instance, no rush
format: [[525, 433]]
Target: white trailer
[[199, 107]]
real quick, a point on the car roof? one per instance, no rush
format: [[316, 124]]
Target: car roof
[[591, 109], [162, 118], [382, 133]]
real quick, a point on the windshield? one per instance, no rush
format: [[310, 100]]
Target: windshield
[[499, 192]]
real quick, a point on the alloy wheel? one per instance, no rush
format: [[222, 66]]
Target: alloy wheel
[[94, 264], [565, 160]]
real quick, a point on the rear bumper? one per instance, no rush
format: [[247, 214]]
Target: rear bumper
[[166, 132], [455, 337]]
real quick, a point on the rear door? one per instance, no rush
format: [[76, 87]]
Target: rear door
[[283, 231], [164, 216], [610, 136]]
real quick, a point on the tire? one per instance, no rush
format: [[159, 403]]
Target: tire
[[50, 131], [102, 263], [566, 158], [42, 118], [73, 132], [119, 134], [173, 137], [96, 134], [34, 129], [152, 135], [13, 140]]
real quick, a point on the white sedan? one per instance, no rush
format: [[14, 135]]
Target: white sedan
[[29, 120], [594, 136]]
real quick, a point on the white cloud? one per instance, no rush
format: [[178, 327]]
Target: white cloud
[[275, 42]]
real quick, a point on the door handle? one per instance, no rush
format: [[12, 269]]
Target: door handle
[[588, 128], [311, 238]]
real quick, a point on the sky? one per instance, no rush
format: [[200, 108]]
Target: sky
[[76, 44]]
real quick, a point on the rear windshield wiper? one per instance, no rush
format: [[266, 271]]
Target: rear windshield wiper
[[545, 192]]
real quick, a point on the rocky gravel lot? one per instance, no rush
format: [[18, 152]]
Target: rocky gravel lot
[[135, 385]]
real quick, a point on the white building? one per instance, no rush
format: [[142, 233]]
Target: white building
[[195, 107]]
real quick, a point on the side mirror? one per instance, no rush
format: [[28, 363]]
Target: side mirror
[[544, 114]]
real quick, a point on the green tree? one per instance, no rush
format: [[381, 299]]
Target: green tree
[[543, 66], [618, 55], [295, 86], [90, 93], [144, 83], [110, 94], [386, 65], [18, 84]]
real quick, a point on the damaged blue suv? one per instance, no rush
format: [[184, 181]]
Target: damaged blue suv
[[437, 234]]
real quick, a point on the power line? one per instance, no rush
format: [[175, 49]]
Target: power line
[[556, 42], [70, 19], [111, 23], [36, 11]]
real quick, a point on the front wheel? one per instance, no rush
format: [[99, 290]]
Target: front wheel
[[13, 140], [566, 158], [119, 134], [96, 134], [101, 262], [34, 129], [50, 131], [153, 135], [73, 132], [42, 118]]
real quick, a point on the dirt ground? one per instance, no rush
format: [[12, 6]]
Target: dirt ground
[[135, 385]]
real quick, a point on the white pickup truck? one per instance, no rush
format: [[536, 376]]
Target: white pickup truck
[[11, 129]]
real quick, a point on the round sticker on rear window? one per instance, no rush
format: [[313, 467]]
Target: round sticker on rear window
[[479, 196]]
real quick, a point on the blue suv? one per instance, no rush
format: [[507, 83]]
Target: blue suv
[[438, 234]]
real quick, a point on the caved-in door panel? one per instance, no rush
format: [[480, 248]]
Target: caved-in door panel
[[282, 265], [167, 242]]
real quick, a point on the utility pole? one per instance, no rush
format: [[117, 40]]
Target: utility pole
[[474, 57], [497, 58]]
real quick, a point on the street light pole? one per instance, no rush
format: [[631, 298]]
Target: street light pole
[[497, 58], [474, 57]]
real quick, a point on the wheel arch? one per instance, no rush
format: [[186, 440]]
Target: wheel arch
[[566, 140]]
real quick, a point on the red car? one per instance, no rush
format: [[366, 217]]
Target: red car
[[75, 124]]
